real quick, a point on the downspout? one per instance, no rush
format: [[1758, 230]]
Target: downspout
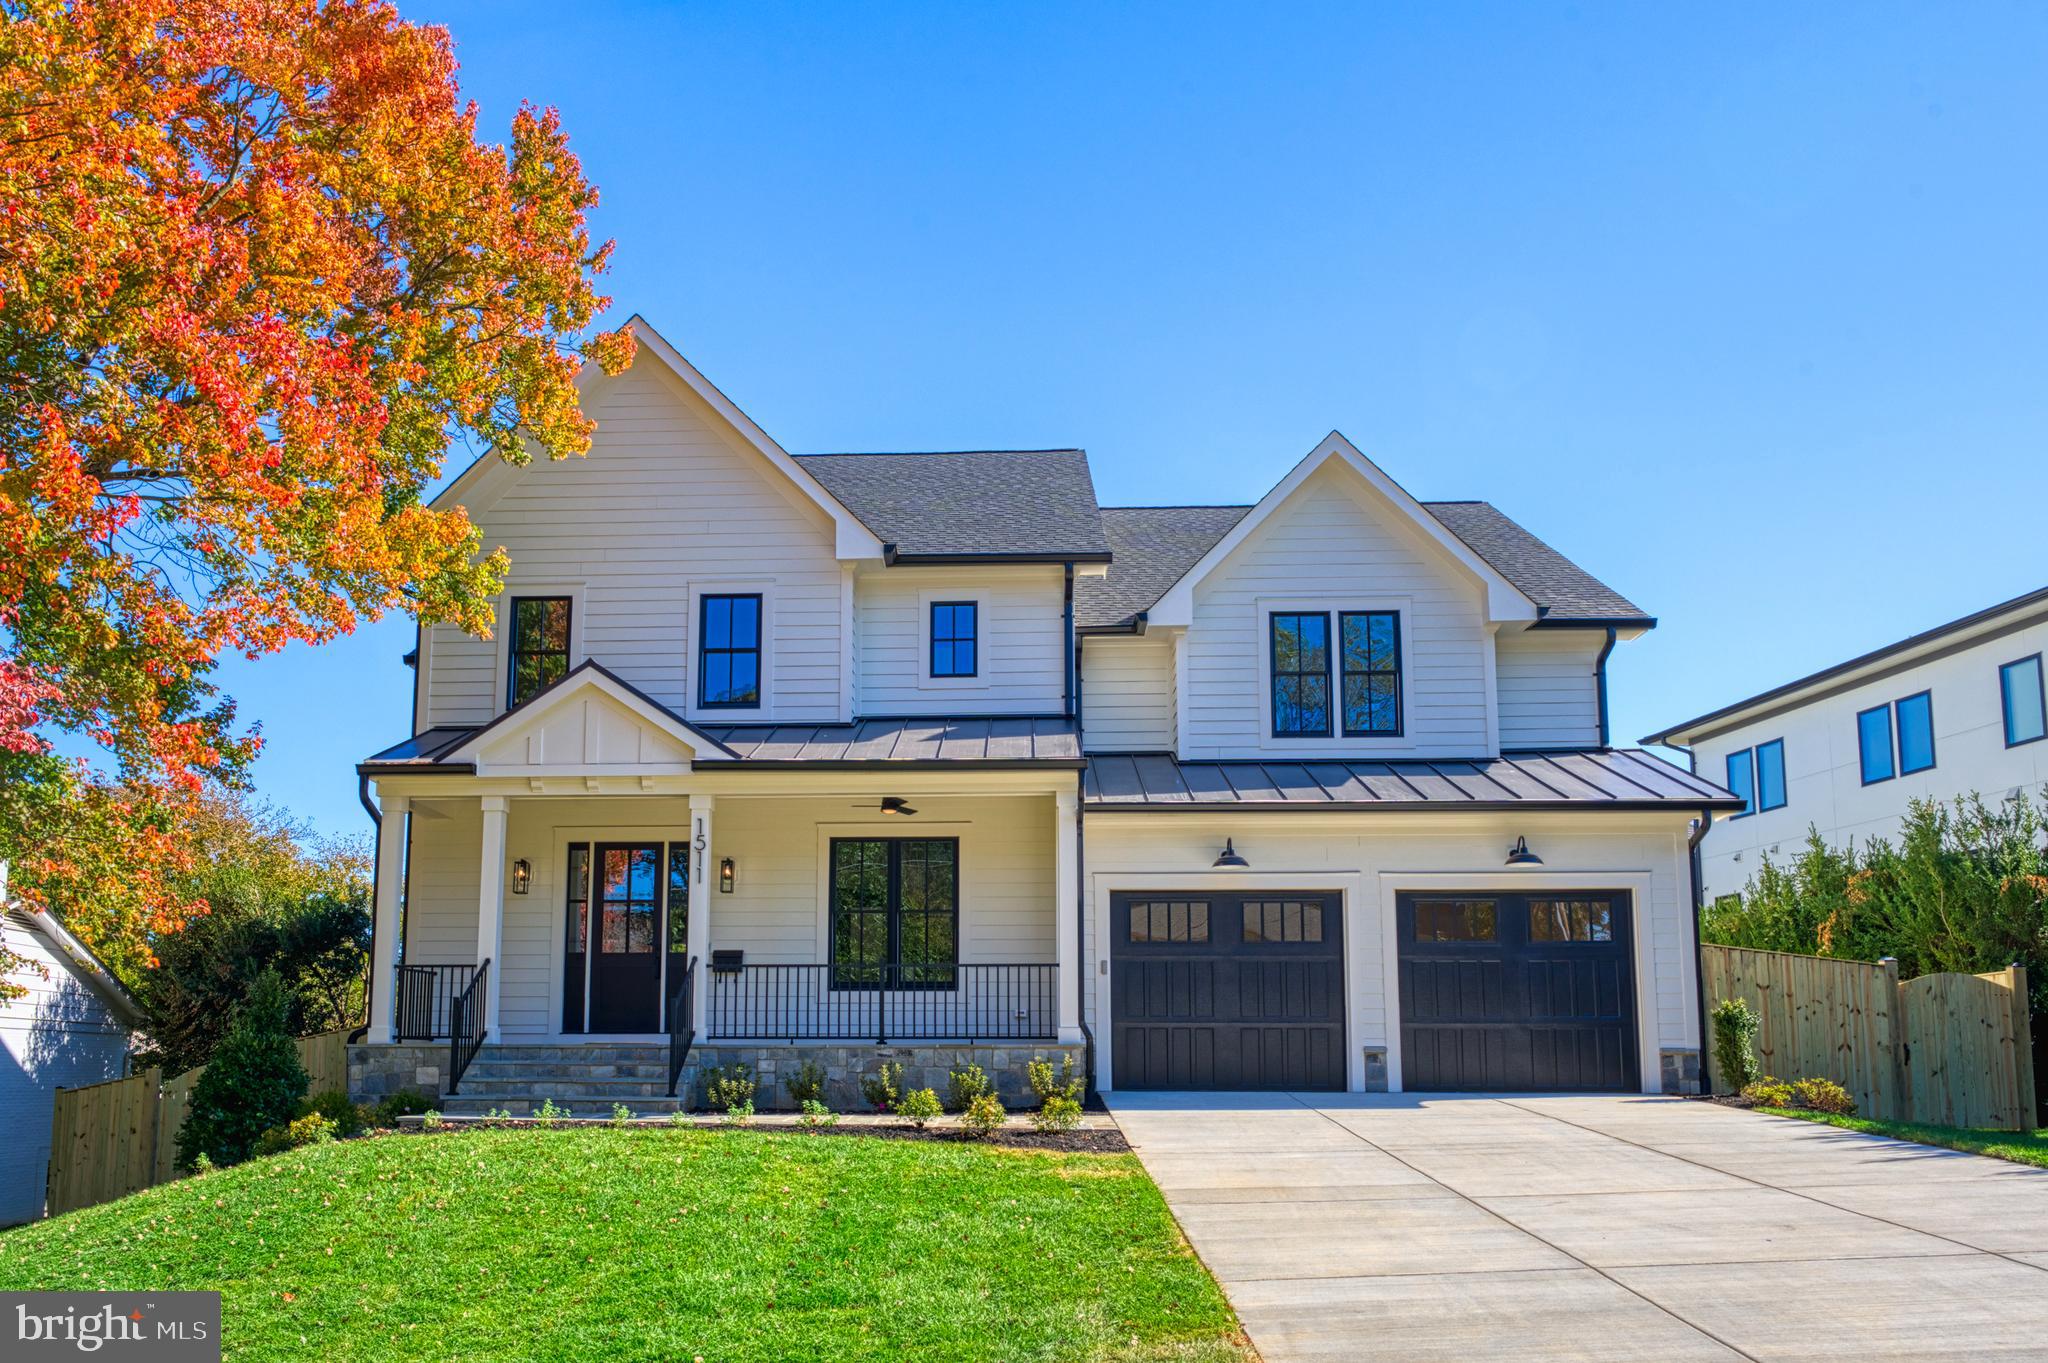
[[1600, 675], [1699, 970], [1068, 700], [377, 855]]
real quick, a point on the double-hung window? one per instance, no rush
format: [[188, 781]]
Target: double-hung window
[[1758, 776], [2020, 697], [1300, 654], [1369, 657], [955, 639], [729, 652], [1896, 739], [540, 646], [895, 913], [1742, 779]]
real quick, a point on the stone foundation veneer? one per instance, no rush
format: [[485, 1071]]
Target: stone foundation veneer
[[374, 1071], [1680, 1071]]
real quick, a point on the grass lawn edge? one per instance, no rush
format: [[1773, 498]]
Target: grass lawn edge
[[2017, 1147]]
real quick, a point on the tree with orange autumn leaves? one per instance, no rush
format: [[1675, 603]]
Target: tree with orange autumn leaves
[[257, 275]]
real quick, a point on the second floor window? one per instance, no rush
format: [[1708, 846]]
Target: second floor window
[[1301, 675], [2020, 696], [1896, 739], [540, 645], [954, 638], [1369, 654], [729, 652], [1742, 779], [1758, 776]]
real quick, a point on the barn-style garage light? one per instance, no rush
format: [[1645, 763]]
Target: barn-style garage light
[[522, 876], [1520, 855], [1228, 859]]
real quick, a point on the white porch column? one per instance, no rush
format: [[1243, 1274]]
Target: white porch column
[[390, 883], [490, 908], [1067, 912], [703, 884]]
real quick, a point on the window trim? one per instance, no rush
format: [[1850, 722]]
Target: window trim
[[1747, 757], [1891, 751], [1273, 675], [1784, 792], [512, 650], [1899, 734], [931, 645], [893, 912], [2005, 705], [1342, 673], [759, 651]]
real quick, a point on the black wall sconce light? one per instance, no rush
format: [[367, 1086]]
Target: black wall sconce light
[[727, 875], [1520, 855], [522, 876], [1228, 859]]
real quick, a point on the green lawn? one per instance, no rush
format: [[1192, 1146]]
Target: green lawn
[[2022, 1147], [659, 1244]]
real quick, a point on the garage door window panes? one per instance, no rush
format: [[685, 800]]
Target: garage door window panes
[[1170, 921], [1282, 920], [1454, 920], [1570, 920]]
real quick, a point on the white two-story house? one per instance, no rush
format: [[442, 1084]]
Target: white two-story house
[[778, 758], [1955, 710]]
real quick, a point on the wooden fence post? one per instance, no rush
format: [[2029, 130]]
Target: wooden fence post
[[1895, 1004], [2023, 1045]]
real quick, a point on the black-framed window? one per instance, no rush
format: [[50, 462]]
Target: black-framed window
[[540, 646], [955, 639], [1915, 719], [1742, 779], [1300, 656], [1571, 920], [2022, 701], [1369, 661], [1175, 920], [1282, 920], [1456, 920], [576, 935], [729, 651], [1770, 774], [1874, 744], [895, 913], [679, 896]]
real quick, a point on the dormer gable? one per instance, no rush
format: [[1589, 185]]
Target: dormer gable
[[588, 724]]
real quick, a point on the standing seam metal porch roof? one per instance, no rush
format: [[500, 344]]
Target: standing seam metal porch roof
[[1611, 778]]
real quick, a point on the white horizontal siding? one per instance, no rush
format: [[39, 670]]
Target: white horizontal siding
[[1549, 687], [1334, 540], [1127, 693], [667, 497], [1022, 655]]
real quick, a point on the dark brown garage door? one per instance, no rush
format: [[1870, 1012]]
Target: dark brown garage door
[[1503, 992], [1227, 991]]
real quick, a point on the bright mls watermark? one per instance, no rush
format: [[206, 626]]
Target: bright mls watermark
[[164, 1327]]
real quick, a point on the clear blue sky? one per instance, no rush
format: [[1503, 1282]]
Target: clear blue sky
[[1743, 308]]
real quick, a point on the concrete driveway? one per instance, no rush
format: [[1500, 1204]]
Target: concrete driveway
[[1410, 1227]]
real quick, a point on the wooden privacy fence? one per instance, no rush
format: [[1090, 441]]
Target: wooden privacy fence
[[1954, 1050], [112, 1139]]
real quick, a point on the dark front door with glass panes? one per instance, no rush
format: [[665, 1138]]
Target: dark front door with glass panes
[[1227, 991], [627, 937], [1507, 992]]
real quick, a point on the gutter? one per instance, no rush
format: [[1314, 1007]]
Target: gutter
[[1600, 676], [1699, 970]]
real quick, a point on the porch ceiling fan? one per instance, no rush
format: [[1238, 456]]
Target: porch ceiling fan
[[891, 805]]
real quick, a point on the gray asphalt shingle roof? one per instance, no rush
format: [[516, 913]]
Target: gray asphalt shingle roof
[[1154, 545], [970, 502]]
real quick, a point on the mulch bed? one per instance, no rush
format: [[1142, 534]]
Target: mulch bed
[[1083, 1140]]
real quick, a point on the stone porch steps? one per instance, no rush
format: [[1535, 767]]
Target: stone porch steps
[[584, 1080]]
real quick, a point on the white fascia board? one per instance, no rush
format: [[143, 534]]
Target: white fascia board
[[590, 677], [1505, 602]]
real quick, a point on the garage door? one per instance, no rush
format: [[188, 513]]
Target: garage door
[[1505, 992], [1227, 991]]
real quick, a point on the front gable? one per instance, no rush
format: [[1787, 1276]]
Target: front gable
[[588, 724]]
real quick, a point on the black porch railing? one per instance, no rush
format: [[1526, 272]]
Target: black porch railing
[[883, 1003], [466, 1024], [423, 998], [682, 999]]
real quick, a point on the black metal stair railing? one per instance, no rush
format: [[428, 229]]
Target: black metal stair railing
[[467, 1024], [681, 1032], [883, 1003]]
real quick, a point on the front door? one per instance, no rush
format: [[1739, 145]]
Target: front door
[[628, 941]]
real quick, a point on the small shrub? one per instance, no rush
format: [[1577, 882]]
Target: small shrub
[[726, 1087], [253, 1083], [1823, 1095], [494, 1115], [1057, 1113], [1735, 1024], [1768, 1092], [404, 1103], [964, 1086], [679, 1118], [203, 1165], [883, 1087], [547, 1114], [621, 1114], [739, 1114], [312, 1129], [984, 1117], [918, 1107], [807, 1085], [333, 1104], [1047, 1084], [430, 1120], [815, 1115]]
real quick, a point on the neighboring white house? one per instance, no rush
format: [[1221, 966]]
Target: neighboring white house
[[73, 1027], [919, 750], [1951, 711]]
